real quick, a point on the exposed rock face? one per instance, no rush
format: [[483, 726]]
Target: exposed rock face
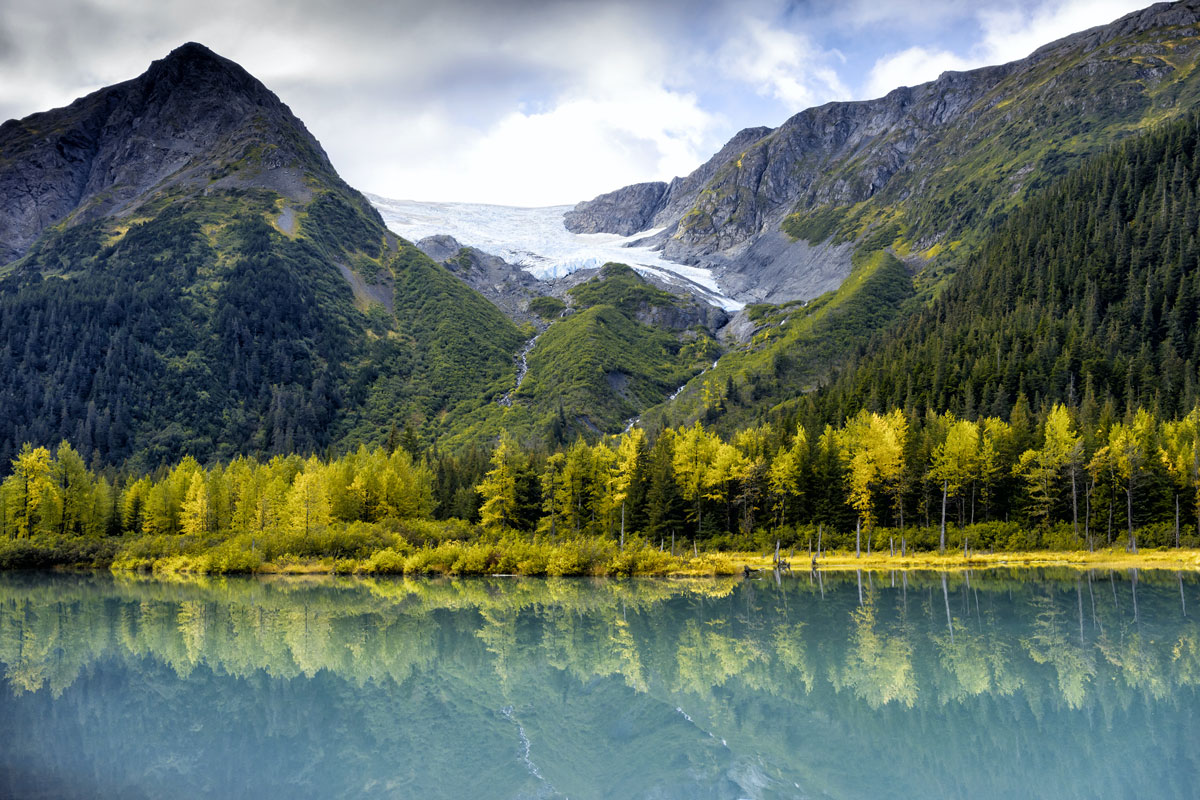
[[688, 314], [625, 211], [508, 286], [918, 149], [192, 120], [649, 205]]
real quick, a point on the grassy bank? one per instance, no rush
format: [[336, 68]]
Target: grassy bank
[[1113, 558], [457, 548]]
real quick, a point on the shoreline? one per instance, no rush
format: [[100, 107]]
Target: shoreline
[[1111, 559], [737, 563]]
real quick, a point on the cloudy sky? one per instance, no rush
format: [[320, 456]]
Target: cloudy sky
[[529, 102]]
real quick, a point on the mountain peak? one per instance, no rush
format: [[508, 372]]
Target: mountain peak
[[193, 68], [192, 51], [194, 121], [192, 57]]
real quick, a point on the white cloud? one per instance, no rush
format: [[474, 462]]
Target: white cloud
[[527, 101], [579, 148], [1008, 34], [911, 67], [784, 65]]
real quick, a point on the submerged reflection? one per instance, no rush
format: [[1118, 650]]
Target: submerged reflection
[[835, 686]]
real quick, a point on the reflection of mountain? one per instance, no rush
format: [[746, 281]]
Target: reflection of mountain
[[608, 689]]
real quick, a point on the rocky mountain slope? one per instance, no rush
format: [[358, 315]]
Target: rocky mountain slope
[[507, 286], [193, 124], [187, 274], [923, 170]]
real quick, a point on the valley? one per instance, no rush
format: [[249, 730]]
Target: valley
[[200, 286]]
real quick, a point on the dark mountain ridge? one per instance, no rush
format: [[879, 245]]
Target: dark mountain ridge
[[191, 276], [194, 122]]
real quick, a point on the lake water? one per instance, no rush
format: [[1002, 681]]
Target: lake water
[[1013, 684]]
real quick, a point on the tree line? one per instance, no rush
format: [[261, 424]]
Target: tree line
[[1090, 287], [1059, 477]]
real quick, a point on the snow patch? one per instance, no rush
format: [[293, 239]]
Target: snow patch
[[536, 240]]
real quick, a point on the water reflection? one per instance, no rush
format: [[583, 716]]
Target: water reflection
[[986, 685]]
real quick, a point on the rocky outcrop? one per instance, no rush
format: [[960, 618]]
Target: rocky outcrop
[[690, 313], [649, 205], [625, 211], [509, 287], [942, 156], [192, 121]]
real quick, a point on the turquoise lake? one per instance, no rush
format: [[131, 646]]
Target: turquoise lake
[[990, 684]]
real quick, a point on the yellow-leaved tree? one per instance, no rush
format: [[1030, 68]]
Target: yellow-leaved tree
[[1061, 450], [1124, 457], [631, 455], [499, 487], [29, 491], [872, 446], [1179, 448], [695, 449], [786, 473], [956, 463]]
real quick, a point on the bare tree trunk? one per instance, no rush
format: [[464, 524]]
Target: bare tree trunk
[[1129, 518], [1182, 600], [942, 543], [622, 524], [946, 597], [1177, 520], [1087, 516], [858, 538], [1110, 519], [1133, 588], [1074, 504]]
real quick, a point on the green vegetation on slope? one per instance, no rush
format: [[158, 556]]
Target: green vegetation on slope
[[1033, 127], [599, 365], [620, 286], [1088, 295], [201, 329], [794, 348]]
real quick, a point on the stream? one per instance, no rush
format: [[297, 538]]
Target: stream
[[629, 423], [522, 360]]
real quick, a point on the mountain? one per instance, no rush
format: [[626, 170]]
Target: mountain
[[1087, 295], [925, 170], [507, 286], [186, 273], [613, 346]]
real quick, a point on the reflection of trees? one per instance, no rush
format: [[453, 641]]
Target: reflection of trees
[[691, 637], [782, 672], [792, 653], [708, 655], [879, 667], [1053, 642], [976, 664]]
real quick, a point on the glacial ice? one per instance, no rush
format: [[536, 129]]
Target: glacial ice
[[536, 240]]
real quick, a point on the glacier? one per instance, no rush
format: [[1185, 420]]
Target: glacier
[[536, 240]]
